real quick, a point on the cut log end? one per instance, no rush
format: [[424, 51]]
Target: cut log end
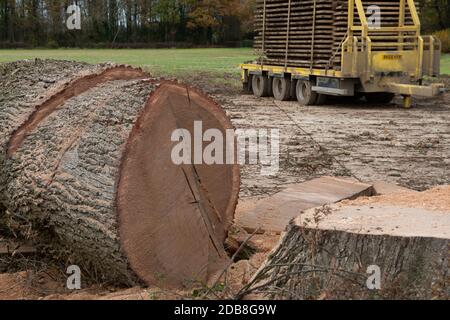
[[174, 219]]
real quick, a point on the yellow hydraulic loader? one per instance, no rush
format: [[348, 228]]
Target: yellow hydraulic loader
[[375, 61]]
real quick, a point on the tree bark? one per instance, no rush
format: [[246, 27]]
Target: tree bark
[[30, 90], [11, 21]]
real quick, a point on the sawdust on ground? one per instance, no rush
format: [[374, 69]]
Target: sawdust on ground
[[436, 199]]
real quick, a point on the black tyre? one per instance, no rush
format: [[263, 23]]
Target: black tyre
[[304, 92], [281, 89], [260, 86], [379, 97]]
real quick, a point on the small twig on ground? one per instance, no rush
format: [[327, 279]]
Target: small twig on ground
[[231, 262], [315, 268]]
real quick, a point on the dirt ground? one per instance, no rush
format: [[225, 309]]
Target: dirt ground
[[349, 138], [341, 138], [436, 199], [48, 282]]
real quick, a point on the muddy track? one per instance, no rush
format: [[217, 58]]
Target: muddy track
[[408, 147]]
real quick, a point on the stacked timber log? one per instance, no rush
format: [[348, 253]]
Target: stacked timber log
[[285, 32], [310, 33], [89, 169]]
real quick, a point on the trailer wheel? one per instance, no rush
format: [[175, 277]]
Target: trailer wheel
[[379, 97], [260, 86], [281, 89], [305, 95]]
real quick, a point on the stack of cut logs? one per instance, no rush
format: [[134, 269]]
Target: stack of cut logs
[[310, 33]]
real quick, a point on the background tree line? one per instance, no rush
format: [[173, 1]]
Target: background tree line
[[130, 22], [32, 23]]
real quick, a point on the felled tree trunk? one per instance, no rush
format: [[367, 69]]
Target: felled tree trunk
[[380, 252], [95, 176]]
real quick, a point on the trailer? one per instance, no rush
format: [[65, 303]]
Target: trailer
[[375, 49]]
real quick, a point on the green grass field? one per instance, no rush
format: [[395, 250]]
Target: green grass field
[[445, 64], [169, 62], [159, 61]]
